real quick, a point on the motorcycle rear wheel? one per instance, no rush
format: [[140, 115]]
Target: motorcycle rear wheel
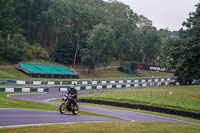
[[75, 110], [62, 108]]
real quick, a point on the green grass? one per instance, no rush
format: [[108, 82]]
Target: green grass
[[12, 73], [7, 102], [114, 73], [107, 127], [182, 97], [143, 73]]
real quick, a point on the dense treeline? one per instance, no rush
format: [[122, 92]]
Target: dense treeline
[[89, 32], [185, 50], [65, 28]]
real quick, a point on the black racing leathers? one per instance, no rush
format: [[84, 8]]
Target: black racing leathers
[[73, 93]]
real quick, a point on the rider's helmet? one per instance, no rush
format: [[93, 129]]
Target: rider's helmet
[[72, 87]]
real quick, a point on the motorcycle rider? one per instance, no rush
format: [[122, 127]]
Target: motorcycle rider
[[73, 93]]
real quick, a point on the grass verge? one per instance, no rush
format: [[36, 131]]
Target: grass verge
[[7, 102], [182, 97], [107, 127]]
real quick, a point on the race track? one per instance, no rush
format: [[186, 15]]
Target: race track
[[23, 117], [16, 117]]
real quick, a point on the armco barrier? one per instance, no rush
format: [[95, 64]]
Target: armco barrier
[[89, 81], [145, 107], [122, 85], [11, 89]]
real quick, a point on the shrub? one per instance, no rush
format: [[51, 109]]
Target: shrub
[[16, 48]]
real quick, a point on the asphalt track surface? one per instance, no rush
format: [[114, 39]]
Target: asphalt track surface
[[21, 117]]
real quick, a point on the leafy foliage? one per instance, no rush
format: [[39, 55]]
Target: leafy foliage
[[186, 50], [37, 52], [17, 47], [100, 44], [7, 23], [91, 32]]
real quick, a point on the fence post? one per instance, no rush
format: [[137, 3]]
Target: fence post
[[6, 83], [165, 93], [14, 83], [150, 93], [182, 95]]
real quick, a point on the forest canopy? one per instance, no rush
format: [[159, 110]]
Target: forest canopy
[[91, 32]]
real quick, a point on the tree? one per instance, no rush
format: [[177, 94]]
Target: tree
[[7, 20], [17, 48], [123, 21], [87, 59], [2, 47], [63, 51], [30, 16], [100, 46], [150, 44], [186, 50], [12, 43], [143, 21], [74, 15]]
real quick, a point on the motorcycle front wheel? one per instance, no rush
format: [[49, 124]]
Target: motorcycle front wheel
[[62, 108]]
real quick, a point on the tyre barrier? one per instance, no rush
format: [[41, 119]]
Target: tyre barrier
[[25, 89], [145, 107]]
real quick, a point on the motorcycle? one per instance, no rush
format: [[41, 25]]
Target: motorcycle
[[68, 104]]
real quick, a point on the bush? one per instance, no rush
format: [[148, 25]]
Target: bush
[[63, 53], [124, 69], [37, 52], [16, 48]]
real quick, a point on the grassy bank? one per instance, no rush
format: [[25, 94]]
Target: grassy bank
[[13, 73], [114, 73], [107, 127], [181, 97]]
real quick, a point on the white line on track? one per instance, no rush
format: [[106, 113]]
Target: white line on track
[[50, 99], [26, 94], [48, 124]]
